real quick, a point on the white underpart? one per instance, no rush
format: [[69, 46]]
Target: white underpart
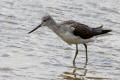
[[70, 38], [66, 33]]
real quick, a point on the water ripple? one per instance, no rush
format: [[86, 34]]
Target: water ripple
[[44, 56]]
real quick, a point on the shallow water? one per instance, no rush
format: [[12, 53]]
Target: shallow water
[[44, 56]]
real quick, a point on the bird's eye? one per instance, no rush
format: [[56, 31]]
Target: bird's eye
[[44, 20]]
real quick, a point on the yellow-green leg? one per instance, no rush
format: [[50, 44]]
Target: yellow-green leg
[[76, 53], [86, 53]]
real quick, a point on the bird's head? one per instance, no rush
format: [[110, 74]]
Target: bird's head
[[45, 21]]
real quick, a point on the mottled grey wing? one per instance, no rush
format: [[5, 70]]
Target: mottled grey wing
[[81, 30]]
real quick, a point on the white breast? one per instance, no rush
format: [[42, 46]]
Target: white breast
[[70, 38]]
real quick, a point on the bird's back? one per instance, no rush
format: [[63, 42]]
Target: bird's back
[[78, 29], [82, 30]]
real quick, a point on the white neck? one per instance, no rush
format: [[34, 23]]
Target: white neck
[[54, 26]]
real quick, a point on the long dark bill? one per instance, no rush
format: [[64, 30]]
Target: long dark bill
[[34, 29]]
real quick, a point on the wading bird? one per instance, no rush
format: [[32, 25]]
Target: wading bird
[[72, 32]]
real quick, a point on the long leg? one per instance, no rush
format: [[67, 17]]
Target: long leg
[[75, 54], [86, 53]]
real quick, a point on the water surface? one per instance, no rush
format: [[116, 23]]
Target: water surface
[[43, 55]]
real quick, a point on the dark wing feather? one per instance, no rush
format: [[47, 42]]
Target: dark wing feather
[[81, 30]]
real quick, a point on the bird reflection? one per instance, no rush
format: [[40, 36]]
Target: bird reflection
[[79, 74], [74, 75], [74, 64]]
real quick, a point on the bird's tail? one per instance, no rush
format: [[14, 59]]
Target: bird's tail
[[105, 31], [100, 30]]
